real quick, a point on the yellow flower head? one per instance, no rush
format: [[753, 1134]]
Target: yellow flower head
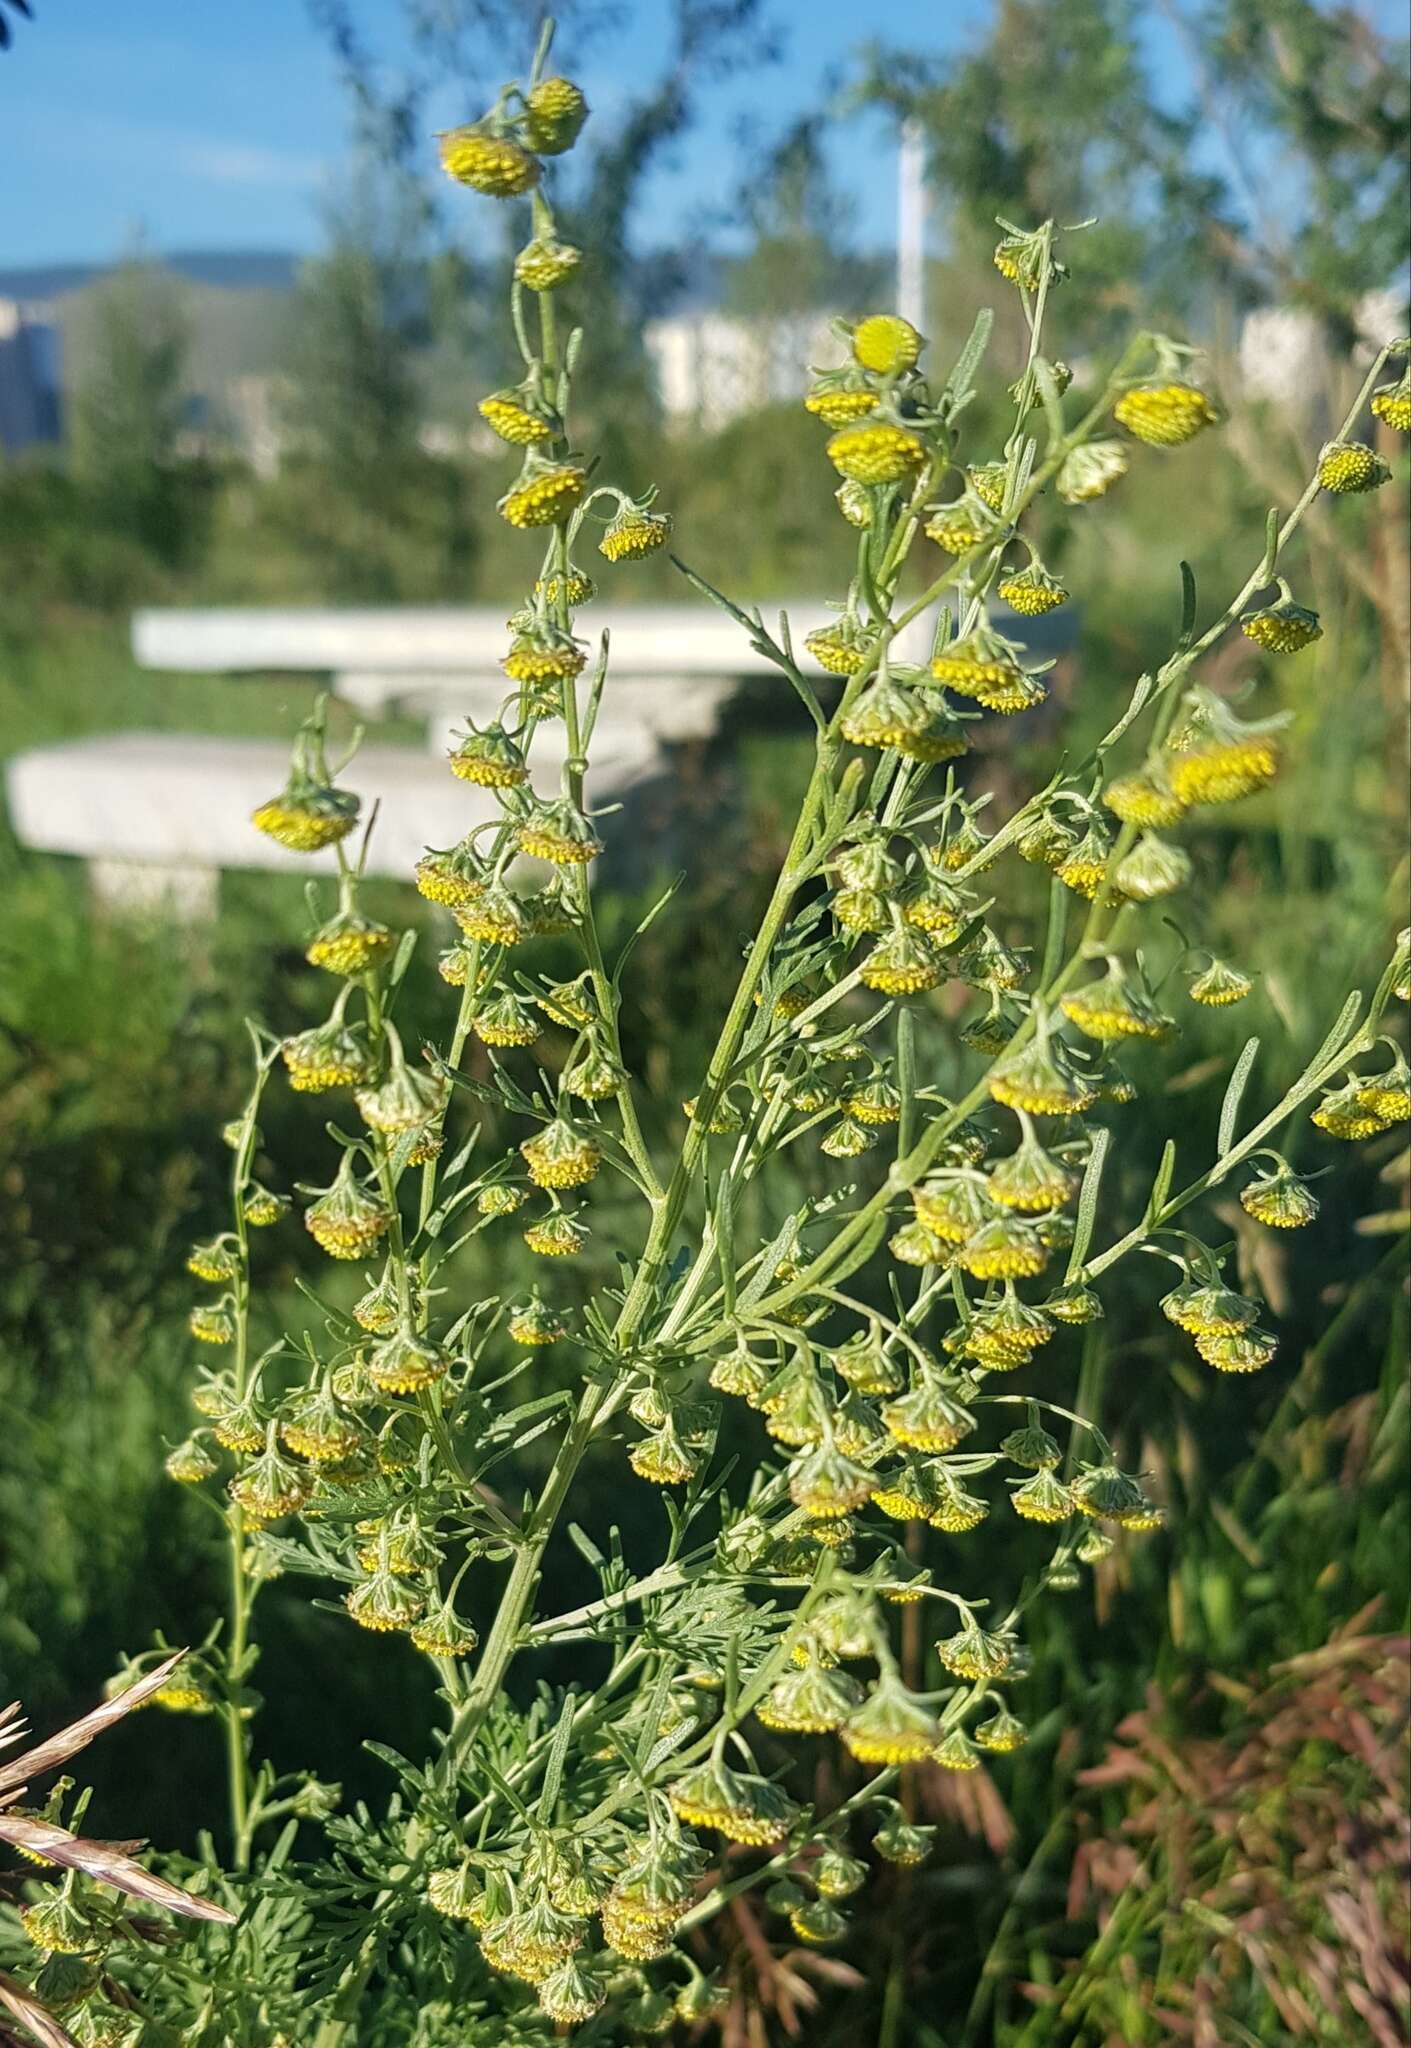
[[556, 1236], [561, 1156], [876, 453], [1392, 403], [1165, 415], [541, 655], [742, 1808], [405, 1363], [1039, 1080], [1219, 984], [1005, 1248], [543, 493], [1348, 467], [1283, 628], [493, 164], [554, 113], [307, 816], [838, 401], [1032, 592], [1091, 471], [560, 833], [516, 420], [980, 665], [886, 344], [903, 963], [891, 1727], [1145, 798], [545, 263], [840, 649], [635, 533]]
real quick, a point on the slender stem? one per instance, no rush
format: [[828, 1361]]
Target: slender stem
[[503, 1639], [240, 1592]]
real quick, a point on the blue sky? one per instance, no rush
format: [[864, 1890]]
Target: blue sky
[[223, 124]]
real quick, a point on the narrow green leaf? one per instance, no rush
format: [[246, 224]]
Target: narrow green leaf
[[1161, 1186], [1230, 1107], [393, 1758], [1188, 604], [958, 384], [1342, 1030], [1141, 691], [1024, 470], [651, 1721], [725, 1236], [530, 1411], [1271, 545], [585, 1546], [1052, 402], [762, 1278], [1087, 1202], [405, 948], [906, 1079], [646, 924], [558, 1757]]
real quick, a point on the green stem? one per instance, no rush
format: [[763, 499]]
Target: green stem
[[240, 1593], [503, 1639]]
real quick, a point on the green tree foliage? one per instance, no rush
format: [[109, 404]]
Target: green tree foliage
[[373, 511], [1327, 95], [469, 42], [1055, 112], [800, 258], [1283, 177], [129, 410]]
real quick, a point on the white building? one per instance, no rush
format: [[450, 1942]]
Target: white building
[[713, 367]]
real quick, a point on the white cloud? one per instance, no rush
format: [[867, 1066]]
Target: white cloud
[[240, 163]]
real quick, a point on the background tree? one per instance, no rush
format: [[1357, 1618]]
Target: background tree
[[802, 256], [1054, 114], [467, 44], [379, 511], [129, 409], [1314, 104]]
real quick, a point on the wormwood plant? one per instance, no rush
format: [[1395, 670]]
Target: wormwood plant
[[556, 1860]]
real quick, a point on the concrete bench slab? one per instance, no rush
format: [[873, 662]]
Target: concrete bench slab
[[672, 666], [423, 644], [158, 815]]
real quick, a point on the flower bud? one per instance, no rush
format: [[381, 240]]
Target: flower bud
[[554, 112], [634, 533], [1090, 471], [742, 1808], [1347, 467], [544, 493], [489, 162], [886, 344], [891, 1727], [1165, 415], [875, 452], [545, 263]]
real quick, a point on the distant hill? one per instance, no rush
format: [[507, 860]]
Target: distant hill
[[233, 269]]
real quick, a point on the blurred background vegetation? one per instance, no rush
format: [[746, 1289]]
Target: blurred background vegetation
[[1280, 190]]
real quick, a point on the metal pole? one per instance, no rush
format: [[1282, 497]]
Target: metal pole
[[911, 223]]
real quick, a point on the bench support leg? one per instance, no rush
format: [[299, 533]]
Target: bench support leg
[[133, 887]]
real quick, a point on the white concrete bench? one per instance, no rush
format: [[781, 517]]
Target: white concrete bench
[[157, 816], [672, 666]]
